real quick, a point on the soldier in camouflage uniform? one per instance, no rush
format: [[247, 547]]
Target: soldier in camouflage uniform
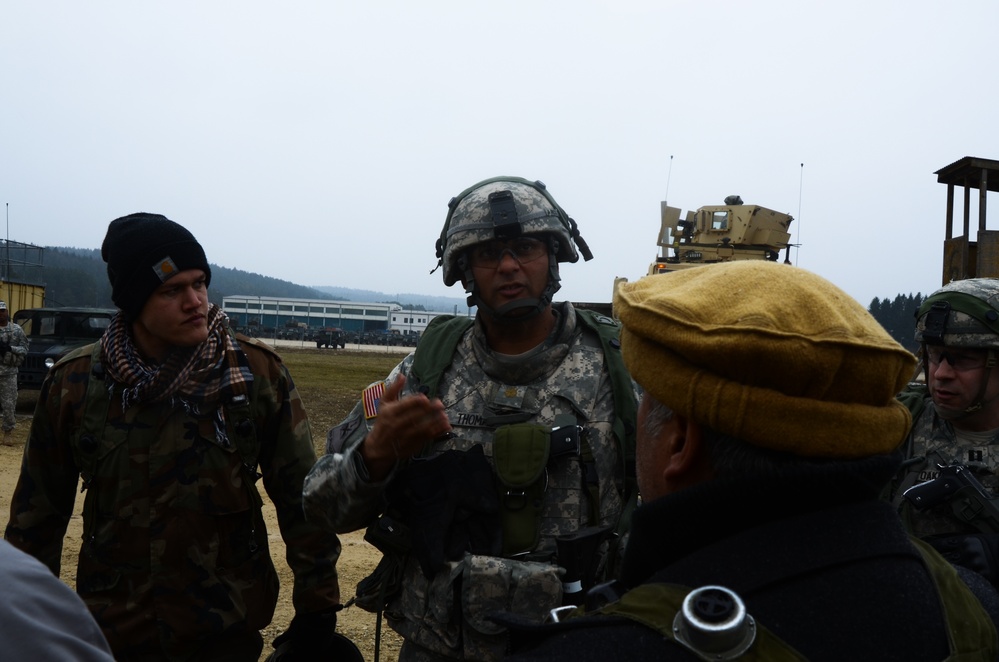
[[524, 367], [955, 414], [166, 419], [13, 349]]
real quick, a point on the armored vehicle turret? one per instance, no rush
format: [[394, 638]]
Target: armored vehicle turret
[[719, 233]]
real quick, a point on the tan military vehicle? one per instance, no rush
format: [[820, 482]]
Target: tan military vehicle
[[733, 231]]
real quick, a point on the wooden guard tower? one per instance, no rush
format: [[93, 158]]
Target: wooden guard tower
[[964, 258]]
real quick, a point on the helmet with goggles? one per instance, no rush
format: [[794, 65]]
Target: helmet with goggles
[[492, 215], [504, 208]]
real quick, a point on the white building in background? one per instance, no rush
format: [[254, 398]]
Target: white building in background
[[411, 322], [275, 313]]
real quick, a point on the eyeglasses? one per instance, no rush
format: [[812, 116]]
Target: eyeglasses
[[961, 361], [523, 250]]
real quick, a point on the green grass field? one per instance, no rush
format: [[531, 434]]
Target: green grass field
[[330, 382]]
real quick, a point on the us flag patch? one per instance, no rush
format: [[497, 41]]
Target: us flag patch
[[370, 399]]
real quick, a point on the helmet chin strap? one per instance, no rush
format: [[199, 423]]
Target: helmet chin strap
[[535, 306], [532, 306], [980, 402]]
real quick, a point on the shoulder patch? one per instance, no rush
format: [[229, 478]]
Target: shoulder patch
[[336, 437]]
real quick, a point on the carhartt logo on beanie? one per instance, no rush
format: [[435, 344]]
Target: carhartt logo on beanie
[[142, 251]]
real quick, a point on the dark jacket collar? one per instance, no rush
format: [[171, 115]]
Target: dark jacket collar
[[676, 525]]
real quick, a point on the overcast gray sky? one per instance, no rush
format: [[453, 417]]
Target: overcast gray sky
[[319, 142]]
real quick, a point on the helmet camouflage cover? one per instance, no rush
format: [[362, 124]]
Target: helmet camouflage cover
[[503, 208], [964, 313]]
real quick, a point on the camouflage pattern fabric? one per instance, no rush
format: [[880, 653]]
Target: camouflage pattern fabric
[[175, 558], [932, 438], [13, 334], [8, 400], [443, 617], [9, 362], [971, 314], [963, 330], [471, 222]]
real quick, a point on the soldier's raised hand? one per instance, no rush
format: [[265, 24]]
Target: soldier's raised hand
[[404, 425]]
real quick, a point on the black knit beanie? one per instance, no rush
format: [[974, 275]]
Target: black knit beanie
[[143, 251]]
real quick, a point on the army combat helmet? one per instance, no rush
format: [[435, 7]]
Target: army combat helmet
[[507, 208], [964, 313]]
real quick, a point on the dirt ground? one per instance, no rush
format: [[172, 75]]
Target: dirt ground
[[356, 561]]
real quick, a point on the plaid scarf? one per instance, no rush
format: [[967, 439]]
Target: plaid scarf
[[200, 378]]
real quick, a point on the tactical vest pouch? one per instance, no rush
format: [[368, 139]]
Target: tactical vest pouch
[[449, 503], [520, 456], [490, 585]]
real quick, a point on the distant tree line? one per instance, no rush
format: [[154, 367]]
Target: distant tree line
[[78, 277], [898, 317]]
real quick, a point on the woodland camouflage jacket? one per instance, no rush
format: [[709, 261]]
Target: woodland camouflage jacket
[[174, 546]]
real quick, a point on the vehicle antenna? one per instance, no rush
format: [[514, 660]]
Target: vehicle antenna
[[669, 173], [801, 179], [6, 271]]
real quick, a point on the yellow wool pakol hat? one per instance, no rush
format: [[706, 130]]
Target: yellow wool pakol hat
[[770, 354]]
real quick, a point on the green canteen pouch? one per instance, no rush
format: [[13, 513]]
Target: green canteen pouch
[[520, 455]]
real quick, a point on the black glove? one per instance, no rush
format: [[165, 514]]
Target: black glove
[[4, 347], [313, 636], [974, 551], [450, 504]]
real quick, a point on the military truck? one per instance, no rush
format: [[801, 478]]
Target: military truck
[[720, 233], [329, 336], [54, 332]]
